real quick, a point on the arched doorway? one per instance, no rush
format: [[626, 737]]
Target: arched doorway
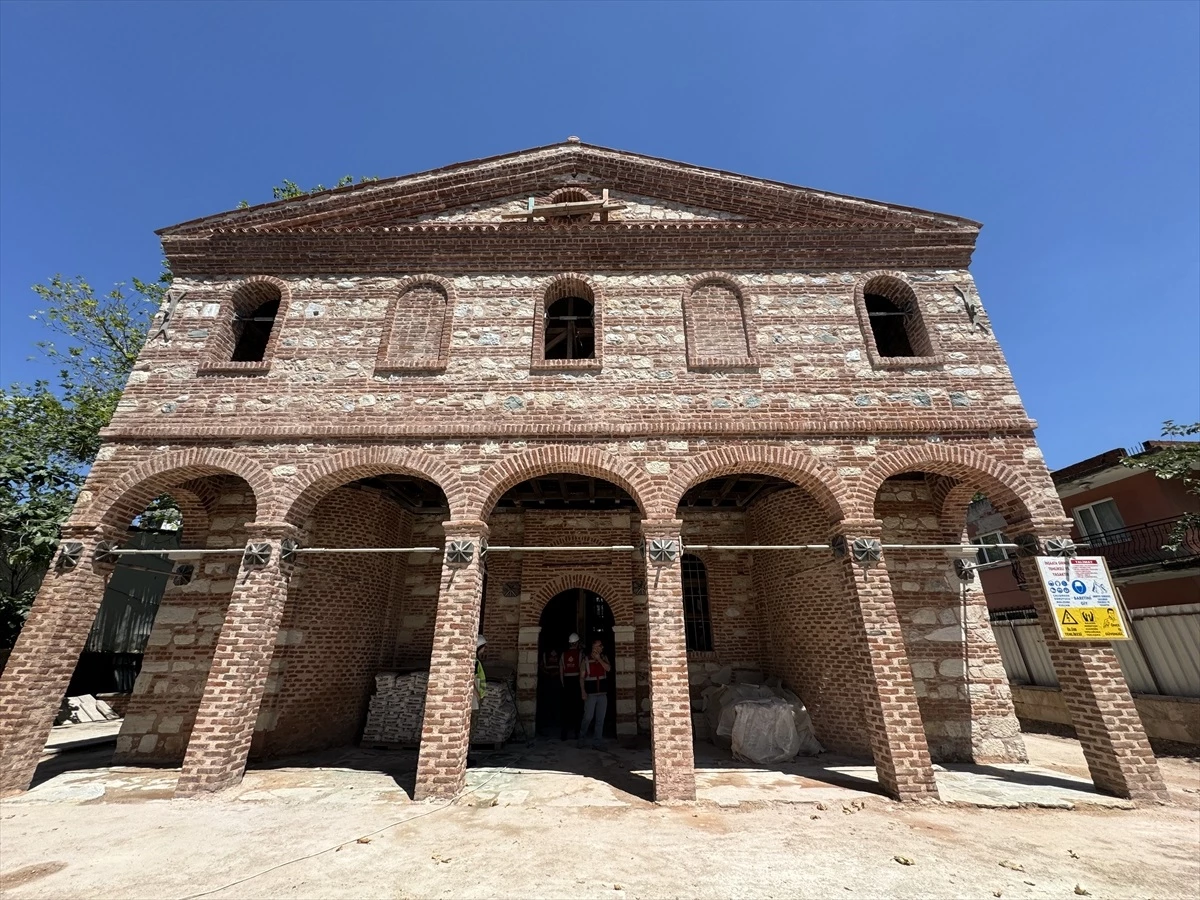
[[587, 614]]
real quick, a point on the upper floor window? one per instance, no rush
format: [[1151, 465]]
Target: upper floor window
[[570, 329], [888, 308], [697, 623], [242, 340], [1099, 522], [567, 326], [252, 332], [989, 553]]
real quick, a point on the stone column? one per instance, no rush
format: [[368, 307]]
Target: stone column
[[626, 675], [892, 714], [1093, 686], [446, 731], [46, 653], [220, 740], [527, 676], [670, 700]]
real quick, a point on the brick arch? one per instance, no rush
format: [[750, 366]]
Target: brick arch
[[125, 498], [621, 604], [576, 193], [897, 287], [821, 482], [553, 460], [315, 482], [1010, 492]]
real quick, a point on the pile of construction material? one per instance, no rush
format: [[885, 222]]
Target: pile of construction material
[[757, 718], [397, 711], [84, 708]]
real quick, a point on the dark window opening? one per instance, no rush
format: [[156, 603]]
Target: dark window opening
[[697, 624], [889, 325], [570, 329], [253, 332]]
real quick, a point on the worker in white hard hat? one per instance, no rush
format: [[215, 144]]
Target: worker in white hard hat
[[571, 706]]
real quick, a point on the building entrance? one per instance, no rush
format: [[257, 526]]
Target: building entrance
[[587, 614]]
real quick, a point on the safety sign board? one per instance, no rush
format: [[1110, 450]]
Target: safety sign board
[[1083, 598]]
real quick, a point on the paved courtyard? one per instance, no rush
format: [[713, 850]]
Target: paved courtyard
[[550, 820]]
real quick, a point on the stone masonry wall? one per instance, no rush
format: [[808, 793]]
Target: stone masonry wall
[[179, 650]]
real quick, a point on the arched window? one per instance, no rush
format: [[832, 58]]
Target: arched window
[[893, 315], [244, 337], [570, 329], [697, 623], [252, 332], [567, 326], [715, 324], [416, 333]]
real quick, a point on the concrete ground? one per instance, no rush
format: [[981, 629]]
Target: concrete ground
[[550, 821]]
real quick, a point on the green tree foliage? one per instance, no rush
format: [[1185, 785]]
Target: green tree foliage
[[1180, 462], [50, 432], [289, 190]]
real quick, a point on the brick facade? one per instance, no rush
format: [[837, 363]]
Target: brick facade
[[731, 337]]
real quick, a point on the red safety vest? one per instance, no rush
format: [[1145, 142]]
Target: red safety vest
[[594, 678], [570, 663]]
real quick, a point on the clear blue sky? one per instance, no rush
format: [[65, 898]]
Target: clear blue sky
[[1070, 130]]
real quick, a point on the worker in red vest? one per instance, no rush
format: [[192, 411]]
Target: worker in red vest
[[593, 690], [569, 663]]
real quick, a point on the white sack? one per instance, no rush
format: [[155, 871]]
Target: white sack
[[764, 731]]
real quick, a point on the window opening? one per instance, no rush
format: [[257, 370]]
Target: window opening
[[988, 553], [1100, 523], [696, 621], [889, 325], [570, 329], [253, 332]]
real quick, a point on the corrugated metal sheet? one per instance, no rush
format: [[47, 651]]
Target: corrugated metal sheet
[[131, 599], [1168, 635]]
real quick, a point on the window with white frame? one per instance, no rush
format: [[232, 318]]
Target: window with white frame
[[990, 554], [1100, 522]]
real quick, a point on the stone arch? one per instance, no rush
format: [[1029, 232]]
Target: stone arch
[[621, 604], [823, 483], [315, 482], [1011, 492], [560, 458], [125, 498]]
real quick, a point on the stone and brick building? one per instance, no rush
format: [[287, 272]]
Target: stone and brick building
[[660, 365]]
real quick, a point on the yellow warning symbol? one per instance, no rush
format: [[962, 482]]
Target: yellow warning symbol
[[1091, 623]]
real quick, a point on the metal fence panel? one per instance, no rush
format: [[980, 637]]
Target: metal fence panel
[[1170, 637]]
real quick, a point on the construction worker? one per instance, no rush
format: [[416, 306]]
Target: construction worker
[[569, 662], [593, 689], [480, 678]]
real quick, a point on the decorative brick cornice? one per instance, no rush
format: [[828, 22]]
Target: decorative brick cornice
[[785, 427]]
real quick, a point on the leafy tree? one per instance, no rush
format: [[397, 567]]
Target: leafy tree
[[49, 433], [289, 190], [1180, 462]]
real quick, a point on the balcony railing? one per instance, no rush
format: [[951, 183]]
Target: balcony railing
[[1142, 545]]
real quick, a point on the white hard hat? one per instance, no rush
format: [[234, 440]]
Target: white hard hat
[[480, 640], [573, 639]]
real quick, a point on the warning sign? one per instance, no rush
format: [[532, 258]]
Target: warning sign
[[1083, 598]]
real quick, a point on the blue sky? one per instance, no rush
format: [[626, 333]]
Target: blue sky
[[1072, 131]]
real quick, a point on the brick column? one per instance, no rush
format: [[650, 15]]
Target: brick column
[[893, 717], [1102, 710], [670, 700], [446, 731], [220, 740], [46, 653], [527, 676], [626, 674]]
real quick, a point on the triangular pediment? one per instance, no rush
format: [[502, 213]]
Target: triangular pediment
[[636, 190]]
